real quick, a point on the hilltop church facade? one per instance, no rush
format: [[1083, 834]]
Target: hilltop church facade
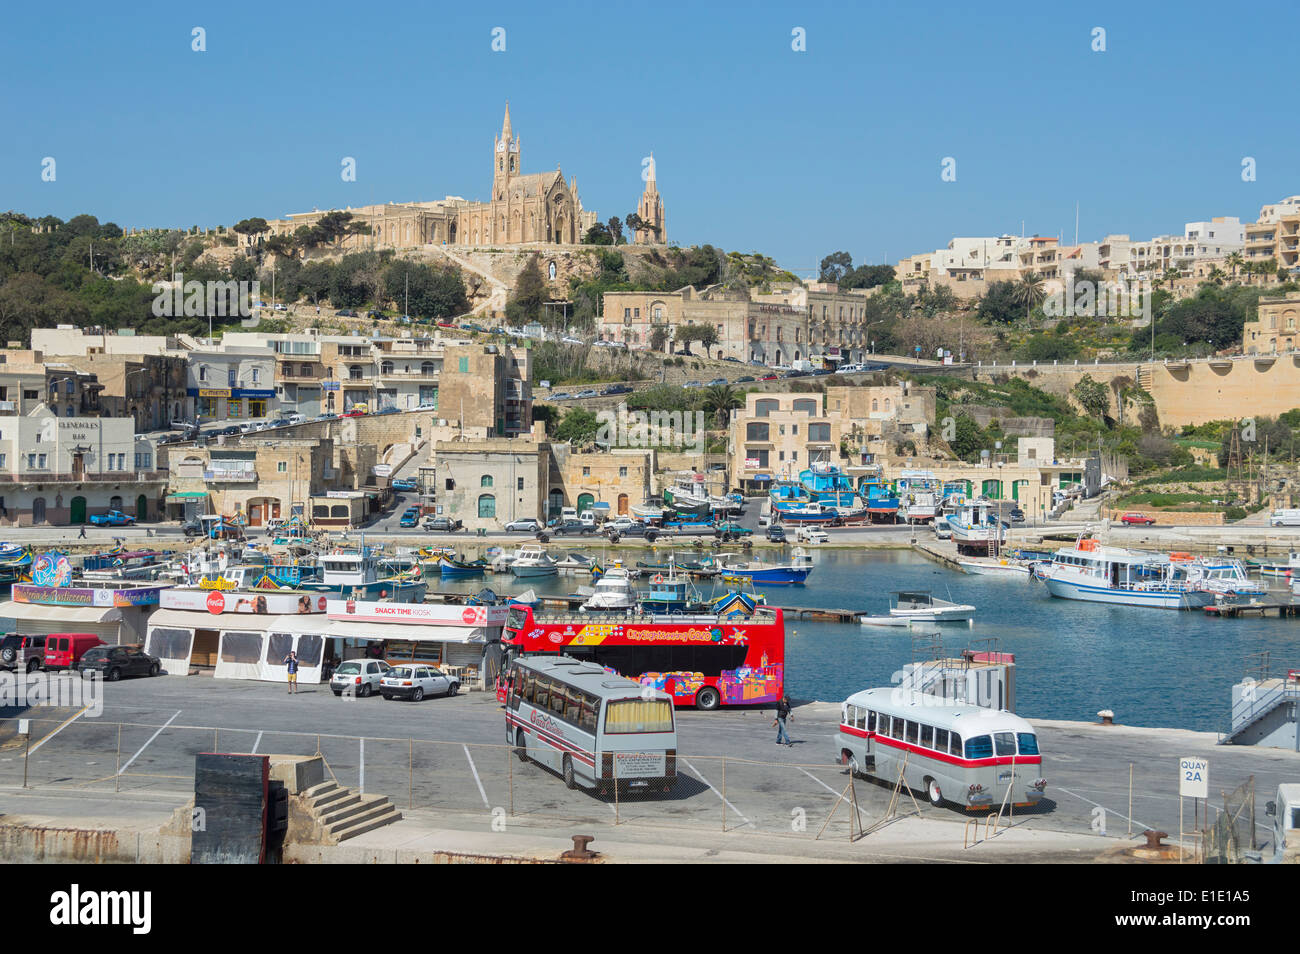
[[533, 208]]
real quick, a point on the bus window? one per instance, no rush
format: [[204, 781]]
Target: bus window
[[927, 736], [871, 720], [897, 727], [1006, 742], [941, 740], [557, 699], [638, 715], [1028, 743], [590, 706], [980, 747], [911, 731], [573, 706], [541, 692], [883, 724], [527, 683], [955, 745], [859, 718]]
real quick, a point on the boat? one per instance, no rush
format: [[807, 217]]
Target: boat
[[527, 598], [921, 606], [670, 594], [825, 483], [119, 564], [613, 592], [735, 567], [918, 495], [812, 513], [1223, 577], [359, 571], [1291, 568], [1095, 573], [880, 499], [532, 561], [884, 621], [998, 566], [459, 569], [648, 513], [575, 561]]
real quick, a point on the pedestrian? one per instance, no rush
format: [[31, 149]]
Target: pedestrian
[[291, 663], [782, 713], [82, 534]]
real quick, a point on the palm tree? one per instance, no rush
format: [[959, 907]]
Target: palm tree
[[719, 399], [1236, 261], [1029, 292], [1216, 276]]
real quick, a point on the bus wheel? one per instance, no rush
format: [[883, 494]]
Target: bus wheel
[[932, 789], [568, 773], [707, 700], [850, 761], [521, 748]]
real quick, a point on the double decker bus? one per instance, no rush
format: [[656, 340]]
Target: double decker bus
[[704, 661], [964, 754], [592, 728]]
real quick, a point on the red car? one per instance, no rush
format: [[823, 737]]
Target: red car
[[1137, 518], [768, 377]]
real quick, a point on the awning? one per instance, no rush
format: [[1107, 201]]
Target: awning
[[60, 614], [416, 633], [186, 495], [241, 622]]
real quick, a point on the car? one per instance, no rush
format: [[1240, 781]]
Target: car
[[755, 363], [232, 429], [569, 339], [526, 525], [25, 653], [114, 662], [414, 681], [405, 484], [732, 359], [692, 384], [446, 324], [566, 527], [183, 425], [1017, 516], [730, 529], [112, 518], [561, 396], [768, 377], [776, 533], [587, 393], [64, 650], [359, 677], [296, 419], [622, 524], [815, 372], [716, 382], [617, 389], [1137, 519], [795, 374], [410, 517], [354, 413], [850, 369], [441, 523], [325, 417], [279, 307], [747, 379], [389, 410], [346, 313], [192, 528]]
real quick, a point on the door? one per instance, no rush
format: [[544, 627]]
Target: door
[[254, 515], [38, 510], [622, 504], [585, 501], [142, 507], [78, 510]]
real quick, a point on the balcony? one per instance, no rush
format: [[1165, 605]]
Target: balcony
[[110, 476], [232, 476]]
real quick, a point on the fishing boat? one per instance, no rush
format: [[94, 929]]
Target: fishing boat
[[814, 514], [976, 525], [669, 595], [120, 564], [647, 512], [1095, 573], [1224, 578], [16, 565], [884, 621], [825, 483], [997, 566], [574, 561], [613, 592], [527, 598], [1289, 568], [360, 571], [735, 567], [918, 494], [460, 569], [922, 606], [531, 562]]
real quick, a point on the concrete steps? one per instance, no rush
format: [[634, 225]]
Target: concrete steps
[[342, 813]]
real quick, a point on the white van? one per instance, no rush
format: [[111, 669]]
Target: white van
[[1284, 518], [587, 518]]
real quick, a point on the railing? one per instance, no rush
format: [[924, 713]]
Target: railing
[[115, 476], [1253, 705]]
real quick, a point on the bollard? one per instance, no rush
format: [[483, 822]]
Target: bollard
[[580, 851]]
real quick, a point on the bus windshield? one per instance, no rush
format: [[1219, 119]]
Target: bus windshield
[[638, 715]]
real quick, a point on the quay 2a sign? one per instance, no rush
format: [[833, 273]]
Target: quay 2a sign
[[1194, 778]]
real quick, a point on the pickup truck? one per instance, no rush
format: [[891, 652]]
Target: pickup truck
[[614, 531], [113, 518]]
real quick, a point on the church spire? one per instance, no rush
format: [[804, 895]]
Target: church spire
[[505, 126]]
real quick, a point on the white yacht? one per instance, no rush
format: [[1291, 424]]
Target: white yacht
[[920, 606], [614, 591], [1224, 578], [532, 561], [1095, 573]]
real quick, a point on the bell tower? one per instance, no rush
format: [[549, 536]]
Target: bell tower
[[650, 209], [505, 158]]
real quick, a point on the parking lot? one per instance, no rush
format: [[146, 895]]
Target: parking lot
[[449, 754]]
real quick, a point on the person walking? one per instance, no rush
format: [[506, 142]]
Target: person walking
[[782, 713], [82, 534], [291, 663]]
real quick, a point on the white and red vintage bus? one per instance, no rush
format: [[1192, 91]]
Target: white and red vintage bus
[[591, 727], [704, 661], [963, 754]]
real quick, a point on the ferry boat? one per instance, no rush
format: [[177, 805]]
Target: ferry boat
[[918, 494], [1095, 573]]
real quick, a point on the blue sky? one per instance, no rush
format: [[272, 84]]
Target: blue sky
[[758, 147]]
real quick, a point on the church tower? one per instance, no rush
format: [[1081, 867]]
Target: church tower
[[654, 230], [505, 161]]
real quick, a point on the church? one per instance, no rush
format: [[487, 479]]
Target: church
[[523, 209]]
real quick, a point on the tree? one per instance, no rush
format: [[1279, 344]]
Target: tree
[[615, 229], [250, 226], [578, 427], [999, 304], [1029, 292], [968, 439], [658, 337], [634, 223], [706, 335], [1235, 261], [529, 295], [598, 234], [1092, 396], [719, 400], [868, 276], [835, 266]]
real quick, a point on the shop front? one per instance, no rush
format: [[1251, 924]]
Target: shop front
[[116, 614]]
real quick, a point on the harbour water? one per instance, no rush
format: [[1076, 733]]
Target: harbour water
[[1158, 668]]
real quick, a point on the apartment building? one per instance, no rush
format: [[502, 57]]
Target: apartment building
[[1275, 328], [1275, 235], [777, 435], [259, 480], [488, 483]]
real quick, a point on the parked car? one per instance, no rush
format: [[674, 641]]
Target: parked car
[[776, 533], [406, 484], [441, 523], [1137, 519], [820, 371], [113, 518], [692, 384], [346, 313], [526, 525], [561, 396], [566, 527], [811, 535], [114, 662], [410, 517], [569, 339], [731, 359], [296, 419], [747, 379], [232, 429], [279, 307], [768, 377], [192, 528], [729, 529], [618, 389], [587, 393], [25, 653], [1017, 516], [359, 677], [64, 650], [415, 681], [622, 524]]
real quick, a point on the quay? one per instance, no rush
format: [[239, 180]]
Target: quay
[[1282, 609], [820, 614]]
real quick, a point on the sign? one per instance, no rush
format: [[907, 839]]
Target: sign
[[1194, 778], [342, 494], [52, 569], [85, 596], [382, 470], [428, 614], [751, 463], [225, 602], [329, 385], [213, 393]]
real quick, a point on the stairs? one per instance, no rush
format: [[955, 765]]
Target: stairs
[[340, 813], [1144, 378]]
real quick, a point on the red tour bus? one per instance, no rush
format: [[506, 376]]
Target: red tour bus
[[704, 661]]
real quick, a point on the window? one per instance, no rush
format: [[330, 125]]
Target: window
[[203, 372], [980, 747], [541, 695], [1028, 741], [1006, 743], [756, 432], [485, 480], [940, 740], [638, 715], [954, 744], [257, 375], [871, 720], [451, 484], [897, 727], [883, 728], [927, 736], [590, 709], [464, 365], [281, 467], [622, 472], [586, 471], [912, 732]]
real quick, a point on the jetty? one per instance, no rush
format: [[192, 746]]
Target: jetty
[[1282, 609]]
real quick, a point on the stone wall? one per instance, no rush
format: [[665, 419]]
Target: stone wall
[[1172, 518]]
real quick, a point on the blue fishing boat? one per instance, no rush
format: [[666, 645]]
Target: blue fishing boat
[[736, 568], [670, 595], [459, 569], [826, 484]]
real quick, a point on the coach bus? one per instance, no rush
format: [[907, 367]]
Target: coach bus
[[705, 661], [963, 754], [591, 727]]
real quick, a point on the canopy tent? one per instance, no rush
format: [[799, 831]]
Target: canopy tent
[[249, 645]]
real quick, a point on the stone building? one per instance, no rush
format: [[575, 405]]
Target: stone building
[[1274, 329], [777, 435], [488, 483]]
